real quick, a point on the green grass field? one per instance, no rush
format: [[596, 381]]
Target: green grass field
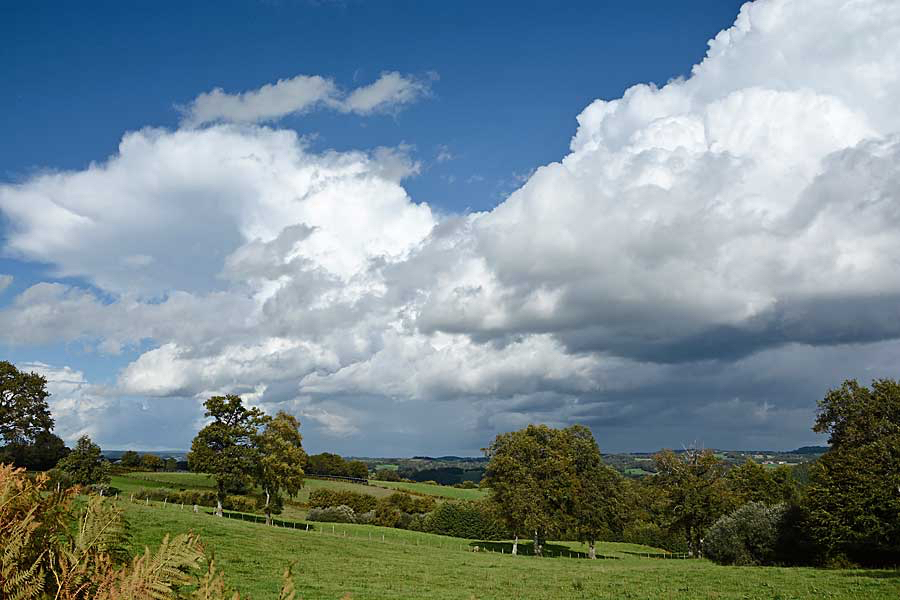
[[414, 565], [441, 491]]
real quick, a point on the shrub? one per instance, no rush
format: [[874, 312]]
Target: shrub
[[360, 503], [472, 520], [332, 514], [408, 504], [748, 536], [366, 518], [240, 504]]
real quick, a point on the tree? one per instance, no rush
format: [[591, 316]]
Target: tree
[[25, 421], [854, 415], [84, 464], [853, 497], [358, 469], [170, 464], [281, 459], [597, 501], [42, 454], [151, 462], [752, 482], [225, 448], [541, 485], [696, 493], [130, 459]]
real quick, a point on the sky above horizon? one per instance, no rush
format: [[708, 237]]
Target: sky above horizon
[[415, 226]]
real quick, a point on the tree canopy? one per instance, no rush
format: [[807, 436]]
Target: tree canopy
[[548, 481], [281, 459], [85, 464], [226, 447]]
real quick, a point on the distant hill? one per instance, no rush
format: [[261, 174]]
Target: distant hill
[[811, 450]]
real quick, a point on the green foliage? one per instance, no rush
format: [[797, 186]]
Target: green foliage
[[552, 481], [752, 482], [388, 475], [323, 497], [84, 465], [694, 492], [475, 520], [854, 503], [26, 439], [225, 448], [130, 459], [333, 514], [853, 497], [408, 504], [151, 462], [23, 405], [281, 460], [854, 415], [333, 465], [747, 536], [648, 533]]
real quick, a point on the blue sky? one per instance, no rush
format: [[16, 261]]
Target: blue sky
[[496, 91]]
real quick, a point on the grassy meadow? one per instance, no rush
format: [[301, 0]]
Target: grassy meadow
[[407, 564], [441, 491]]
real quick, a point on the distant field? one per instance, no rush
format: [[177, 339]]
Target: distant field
[[635, 471], [422, 566], [131, 481], [442, 491]]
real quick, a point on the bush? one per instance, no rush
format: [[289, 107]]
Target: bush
[[408, 504], [360, 503], [366, 518], [748, 536], [240, 504], [472, 520], [332, 514]]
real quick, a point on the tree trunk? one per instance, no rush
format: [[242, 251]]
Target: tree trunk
[[592, 551], [218, 507], [268, 512], [538, 549], [515, 549]]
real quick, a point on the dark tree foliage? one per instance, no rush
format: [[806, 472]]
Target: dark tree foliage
[[853, 497], [85, 465], [130, 459], [333, 465], [26, 438], [151, 462], [23, 405], [225, 448]]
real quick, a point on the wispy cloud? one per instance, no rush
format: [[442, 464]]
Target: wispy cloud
[[390, 92]]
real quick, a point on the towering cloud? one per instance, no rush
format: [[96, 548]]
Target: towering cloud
[[703, 248]]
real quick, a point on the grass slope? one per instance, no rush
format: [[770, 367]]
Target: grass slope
[[441, 491], [328, 566]]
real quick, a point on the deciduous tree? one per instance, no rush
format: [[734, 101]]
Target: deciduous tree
[[695, 492], [225, 448], [85, 464], [281, 460]]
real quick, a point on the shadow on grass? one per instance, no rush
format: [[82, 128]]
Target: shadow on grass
[[873, 573], [527, 549]]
